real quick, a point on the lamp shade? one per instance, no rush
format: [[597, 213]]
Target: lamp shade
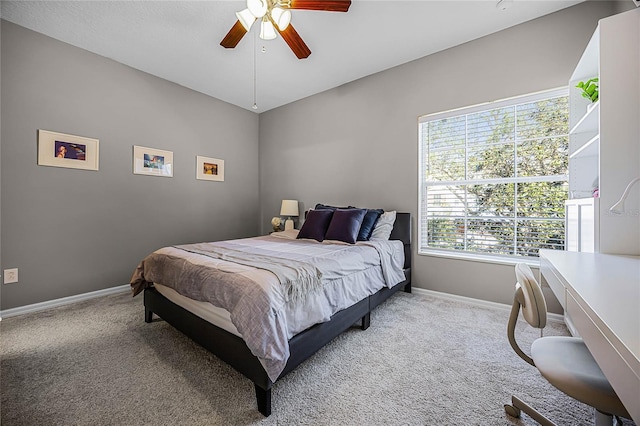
[[282, 17], [246, 18], [267, 31], [257, 7], [289, 208]]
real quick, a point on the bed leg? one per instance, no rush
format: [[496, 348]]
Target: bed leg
[[264, 400], [407, 288], [148, 315], [366, 321]]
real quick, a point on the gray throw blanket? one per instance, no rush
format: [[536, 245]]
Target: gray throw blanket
[[297, 278], [259, 308]]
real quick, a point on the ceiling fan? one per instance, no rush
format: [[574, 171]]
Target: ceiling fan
[[275, 15]]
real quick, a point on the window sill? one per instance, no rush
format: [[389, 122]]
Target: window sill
[[499, 260]]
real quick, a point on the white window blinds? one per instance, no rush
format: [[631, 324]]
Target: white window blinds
[[493, 178]]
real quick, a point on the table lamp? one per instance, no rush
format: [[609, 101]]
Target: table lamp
[[289, 208]]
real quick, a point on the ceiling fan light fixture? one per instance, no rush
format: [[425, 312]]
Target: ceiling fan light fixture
[[246, 18], [258, 8], [275, 17], [282, 17], [267, 30]]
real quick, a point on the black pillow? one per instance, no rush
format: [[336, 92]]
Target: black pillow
[[326, 207], [368, 223], [345, 225], [315, 224]]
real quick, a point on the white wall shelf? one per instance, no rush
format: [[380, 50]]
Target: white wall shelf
[[584, 122], [604, 153], [590, 121], [590, 149]]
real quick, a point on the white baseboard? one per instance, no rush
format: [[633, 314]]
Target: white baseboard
[[63, 301], [126, 287], [476, 302]]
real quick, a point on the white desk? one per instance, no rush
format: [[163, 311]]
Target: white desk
[[600, 294]]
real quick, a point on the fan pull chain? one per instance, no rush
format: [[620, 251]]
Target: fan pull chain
[[255, 102]]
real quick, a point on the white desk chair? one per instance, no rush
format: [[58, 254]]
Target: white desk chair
[[565, 362]]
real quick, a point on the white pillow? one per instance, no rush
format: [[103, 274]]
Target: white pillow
[[384, 226]]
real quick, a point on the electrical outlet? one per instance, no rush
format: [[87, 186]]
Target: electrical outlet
[[10, 276]]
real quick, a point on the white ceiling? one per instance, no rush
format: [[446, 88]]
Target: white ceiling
[[179, 40]]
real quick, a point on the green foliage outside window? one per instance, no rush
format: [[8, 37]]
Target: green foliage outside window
[[495, 197]]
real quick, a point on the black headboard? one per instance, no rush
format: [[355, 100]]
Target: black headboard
[[402, 231]]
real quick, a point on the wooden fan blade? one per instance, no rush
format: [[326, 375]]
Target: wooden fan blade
[[234, 36], [293, 39], [328, 5]]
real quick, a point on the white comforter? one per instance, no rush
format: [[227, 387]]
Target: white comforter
[[349, 274]]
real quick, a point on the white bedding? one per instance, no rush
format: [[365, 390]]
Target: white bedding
[[349, 274], [342, 293]]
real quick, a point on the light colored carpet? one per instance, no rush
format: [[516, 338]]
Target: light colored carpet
[[423, 361]]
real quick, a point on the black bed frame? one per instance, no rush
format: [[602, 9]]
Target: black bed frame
[[233, 350]]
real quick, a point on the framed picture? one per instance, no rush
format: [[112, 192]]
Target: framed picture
[[209, 168], [152, 162], [61, 150]]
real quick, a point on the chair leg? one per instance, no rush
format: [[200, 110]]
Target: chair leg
[[512, 410], [518, 405]]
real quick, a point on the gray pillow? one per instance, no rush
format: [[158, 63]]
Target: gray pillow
[[383, 228]]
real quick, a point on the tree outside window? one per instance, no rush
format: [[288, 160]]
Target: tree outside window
[[493, 181]]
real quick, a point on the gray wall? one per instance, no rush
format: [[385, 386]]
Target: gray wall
[[71, 231], [357, 144], [75, 231], [2, 278]]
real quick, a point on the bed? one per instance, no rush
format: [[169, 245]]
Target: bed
[[242, 347]]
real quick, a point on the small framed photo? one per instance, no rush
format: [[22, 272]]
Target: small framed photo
[[62, 150], [152, 162], [209, 168]]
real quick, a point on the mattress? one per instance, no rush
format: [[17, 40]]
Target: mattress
[[219, 317]]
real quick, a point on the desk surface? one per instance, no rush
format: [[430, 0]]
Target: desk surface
[[605, 291]]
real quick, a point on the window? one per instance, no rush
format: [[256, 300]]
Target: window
[[493, 178]]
